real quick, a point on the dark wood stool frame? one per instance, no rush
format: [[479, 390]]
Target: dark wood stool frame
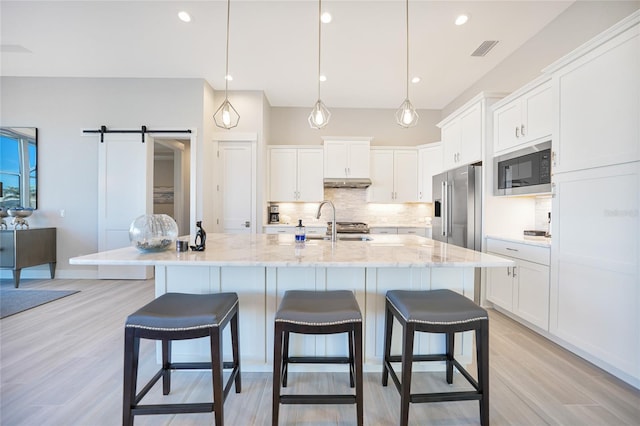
[[281, 361], [481, 393], [131, 406]]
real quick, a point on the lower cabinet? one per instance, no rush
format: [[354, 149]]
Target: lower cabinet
[[523, 289]]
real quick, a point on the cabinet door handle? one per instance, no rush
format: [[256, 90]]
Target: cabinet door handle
[[511, 249], [522, 129], [514, 272], [509, 272], [517, 132]]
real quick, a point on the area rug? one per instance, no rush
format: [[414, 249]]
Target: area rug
[[13, 301]]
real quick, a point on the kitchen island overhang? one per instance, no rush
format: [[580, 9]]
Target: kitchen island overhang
[[261, 267]]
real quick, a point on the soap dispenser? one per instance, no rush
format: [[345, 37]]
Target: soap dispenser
[[301, 232]]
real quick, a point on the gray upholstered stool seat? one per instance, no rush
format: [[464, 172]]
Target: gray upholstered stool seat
[[435, 307], [436, 311], [319, 307], [318, 312], [180, 311], [179, 316]]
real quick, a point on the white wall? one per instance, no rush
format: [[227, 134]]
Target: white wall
[[68, 160]]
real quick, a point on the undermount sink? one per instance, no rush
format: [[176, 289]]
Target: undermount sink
[[355, 238], [340, 237]]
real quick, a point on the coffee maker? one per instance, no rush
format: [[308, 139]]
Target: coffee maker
[[274, 213]]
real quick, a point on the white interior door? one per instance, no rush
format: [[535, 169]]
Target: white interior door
[[237, 187], [125, 192]]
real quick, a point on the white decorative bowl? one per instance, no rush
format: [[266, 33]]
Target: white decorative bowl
[[153, 232], [20, 212]]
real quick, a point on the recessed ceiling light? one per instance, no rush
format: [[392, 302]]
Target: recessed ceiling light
[[415, 80], [323, 78], [184, 16], [326, 18], [462, 19], [228, 77]]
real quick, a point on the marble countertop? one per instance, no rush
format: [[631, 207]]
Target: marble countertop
[[276, 250], [522, 239]]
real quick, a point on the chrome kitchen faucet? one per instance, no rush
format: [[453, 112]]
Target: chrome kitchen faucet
[[333, 223]]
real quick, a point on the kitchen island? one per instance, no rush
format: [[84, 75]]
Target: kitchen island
[[261, 267]]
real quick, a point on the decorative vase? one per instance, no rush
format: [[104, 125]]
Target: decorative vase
[[153, 232]]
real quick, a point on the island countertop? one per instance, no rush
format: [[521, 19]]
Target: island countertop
[[282, 251]]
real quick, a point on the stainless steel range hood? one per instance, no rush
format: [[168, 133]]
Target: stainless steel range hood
[[347, 182]]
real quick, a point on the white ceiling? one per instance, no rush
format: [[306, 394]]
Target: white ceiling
[[273, 45]]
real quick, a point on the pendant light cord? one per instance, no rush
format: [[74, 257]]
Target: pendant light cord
[[226, 75], [407, 22], [319, 42]]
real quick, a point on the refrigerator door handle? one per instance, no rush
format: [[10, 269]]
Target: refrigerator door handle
[[445, 208]]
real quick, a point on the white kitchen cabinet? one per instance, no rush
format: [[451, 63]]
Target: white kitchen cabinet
[[522, 289], [429, 165], [296, 174], [595, 266], [465, 130], [346, 158], [394, 176], [524, 118], [597, 89]]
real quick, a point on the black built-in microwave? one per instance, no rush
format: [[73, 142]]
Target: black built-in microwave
[[526, 171]]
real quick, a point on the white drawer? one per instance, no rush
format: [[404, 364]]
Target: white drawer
[[279, 229], [412, 231], [532, 253]]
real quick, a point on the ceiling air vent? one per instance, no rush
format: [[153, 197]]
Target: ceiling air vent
[[484, 48]]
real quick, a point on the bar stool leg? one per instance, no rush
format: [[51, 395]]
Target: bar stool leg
[[450, 338], [285, 358], [388, 328], [235, 344], [351, 359], [358, 367], [407, 361], [277, 372], [131, 351], [166, 362], [482, 353], [216, 372]]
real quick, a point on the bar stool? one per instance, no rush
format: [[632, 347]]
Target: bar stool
[[178, 316], [317, 312], [436, 311]]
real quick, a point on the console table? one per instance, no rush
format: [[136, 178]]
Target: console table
[[22, 248]]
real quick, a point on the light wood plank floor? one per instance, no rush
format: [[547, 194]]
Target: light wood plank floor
[[61, 364]]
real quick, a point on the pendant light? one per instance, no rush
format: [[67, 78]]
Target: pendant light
[[226, 115], [406, 115], [320, 115]]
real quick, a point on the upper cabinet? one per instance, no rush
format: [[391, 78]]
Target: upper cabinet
[[523, 118], [429, 165], [346, 158], [463, 132], [295, 174], [597, 89], [394, 175]]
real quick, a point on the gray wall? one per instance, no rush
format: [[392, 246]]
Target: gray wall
[[289, 126], [576, 25], [68, 160]]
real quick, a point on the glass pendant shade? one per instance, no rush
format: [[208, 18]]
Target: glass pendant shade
[[226, 115], [319, 116], [406, 115]]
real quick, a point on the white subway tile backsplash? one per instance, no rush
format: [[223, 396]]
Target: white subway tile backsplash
[[351, 206]]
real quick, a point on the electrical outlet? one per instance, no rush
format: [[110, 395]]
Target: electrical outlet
[[62, 213]]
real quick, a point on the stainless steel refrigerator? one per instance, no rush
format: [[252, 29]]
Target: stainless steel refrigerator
[[457, 207]]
